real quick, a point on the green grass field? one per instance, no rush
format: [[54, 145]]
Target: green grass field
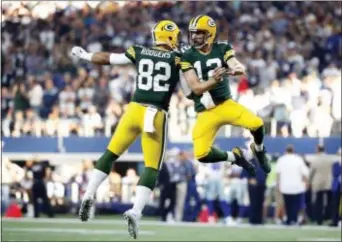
[[116, 230]]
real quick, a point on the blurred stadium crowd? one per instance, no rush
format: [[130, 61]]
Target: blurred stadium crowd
[[292, 51]]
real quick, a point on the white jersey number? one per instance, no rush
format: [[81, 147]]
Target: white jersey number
[[158, 83], [209, 63]]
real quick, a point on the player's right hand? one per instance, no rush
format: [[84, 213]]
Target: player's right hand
[[79, 52], [218, 73]]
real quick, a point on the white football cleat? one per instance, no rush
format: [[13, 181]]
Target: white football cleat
[[133, 219], [85, 210]]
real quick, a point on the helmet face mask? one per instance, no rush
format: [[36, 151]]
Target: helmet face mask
[[198, 38], [202, 31]]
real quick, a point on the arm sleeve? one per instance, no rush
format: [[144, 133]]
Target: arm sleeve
[[119, 59]]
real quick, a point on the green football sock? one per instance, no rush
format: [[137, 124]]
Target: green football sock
[[258, 135], [215, 155], [105, 162], [148, 178]]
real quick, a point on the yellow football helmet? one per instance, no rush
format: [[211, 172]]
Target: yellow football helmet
[[206, 24], [166, 32]]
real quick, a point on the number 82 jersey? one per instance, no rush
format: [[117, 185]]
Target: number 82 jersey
[[157, 75], [204, 65]]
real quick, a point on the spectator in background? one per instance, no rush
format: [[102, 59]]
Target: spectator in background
[[35, 94], [50, 97], [115, 185], [6, 101], [256, 191], [273, 198], [238, 191], [92, 122], [67, 100], [39, 187], [85, 93], [26, 188], [167, 188], [21, 101], [292, 182], [52, 123], [10, 173], [32, 124], [101, 95], [215, 183], [180, 176], [18, 124], [336, 191], [192, 205], [129, 183], [84, 176], [321, 178]]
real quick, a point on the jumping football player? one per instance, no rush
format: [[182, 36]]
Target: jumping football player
[[157, 76], [216, 107]]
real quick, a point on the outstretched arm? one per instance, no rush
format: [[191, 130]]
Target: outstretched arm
[[100, 58]]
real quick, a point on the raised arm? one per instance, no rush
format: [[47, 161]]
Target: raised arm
[[100, 58]]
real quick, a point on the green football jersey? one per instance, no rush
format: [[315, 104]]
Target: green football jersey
[[157, 75], [204, 65]]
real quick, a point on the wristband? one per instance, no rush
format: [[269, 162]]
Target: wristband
[[87, 56]]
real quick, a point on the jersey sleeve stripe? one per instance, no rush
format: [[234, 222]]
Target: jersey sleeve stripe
[[185, 64], [229, 54], [177, 60], [130, 53]]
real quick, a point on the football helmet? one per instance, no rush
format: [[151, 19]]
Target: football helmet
[[166, 32], [203, 23]]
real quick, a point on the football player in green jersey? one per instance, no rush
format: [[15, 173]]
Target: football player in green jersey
[[216, 108], [157, 76]]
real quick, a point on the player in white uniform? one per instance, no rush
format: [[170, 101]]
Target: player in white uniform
[[215, 174], [238, 190]]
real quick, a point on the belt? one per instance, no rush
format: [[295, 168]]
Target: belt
[[153, 106]]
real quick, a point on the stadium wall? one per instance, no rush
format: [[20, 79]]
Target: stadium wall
[[59, 149]]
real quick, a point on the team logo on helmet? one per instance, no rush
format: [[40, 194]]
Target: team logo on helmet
[[211, 22], [170, 27]]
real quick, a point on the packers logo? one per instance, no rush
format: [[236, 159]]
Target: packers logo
[[211, 22], [170, 27]]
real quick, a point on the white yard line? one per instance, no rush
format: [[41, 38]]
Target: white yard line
[[75, 231], [162, 224], [319, 239]]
